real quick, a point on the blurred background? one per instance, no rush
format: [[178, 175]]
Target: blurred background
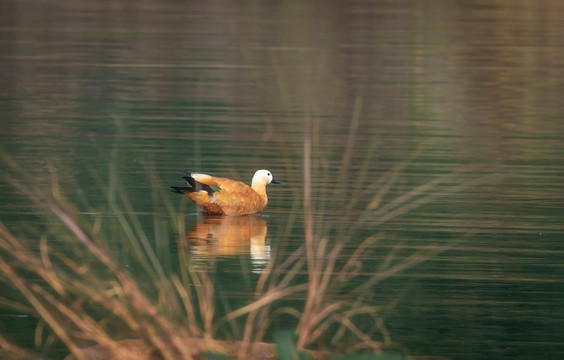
[[394, 97]]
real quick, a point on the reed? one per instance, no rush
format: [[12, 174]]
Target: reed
[[85, 297]]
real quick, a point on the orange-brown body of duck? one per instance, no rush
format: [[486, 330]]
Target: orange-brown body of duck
[[216, 195]]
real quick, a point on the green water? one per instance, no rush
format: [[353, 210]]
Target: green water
[[466, 96]]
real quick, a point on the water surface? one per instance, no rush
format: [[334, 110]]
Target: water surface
[[433, 125]]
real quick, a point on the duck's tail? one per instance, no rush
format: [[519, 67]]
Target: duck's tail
[[194, 185], [181, 189]]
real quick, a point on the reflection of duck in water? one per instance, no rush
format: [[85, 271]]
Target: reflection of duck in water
[[227, 235], [215, 195]]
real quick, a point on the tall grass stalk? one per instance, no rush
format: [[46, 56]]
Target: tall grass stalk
[[92, 300]]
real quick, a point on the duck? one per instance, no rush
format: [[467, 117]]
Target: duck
[[223, 196]]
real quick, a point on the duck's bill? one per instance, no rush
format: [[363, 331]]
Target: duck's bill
[[274, 181]]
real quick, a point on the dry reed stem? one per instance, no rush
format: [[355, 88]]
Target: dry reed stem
[[88, 328], [262, 309], [7, 348], [361, 176], [61, 280], [38, 197], [315, 310], [140, 235], [47, 266], [374, 345], [354, 310], [319, 321], [247, 333], [411, 261], [188, 307], [389, 213], [347, 154], [83, 322], [319, 270], [14, 304], [266, 299], [391, 177], [16, 248], [127, 288], [204, 292], [22, 287], [318, 314], [107, 299], [135, 297]]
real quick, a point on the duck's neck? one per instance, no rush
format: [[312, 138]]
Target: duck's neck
[[260, 189]]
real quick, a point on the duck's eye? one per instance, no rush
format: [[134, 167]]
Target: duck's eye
[[269, 174]]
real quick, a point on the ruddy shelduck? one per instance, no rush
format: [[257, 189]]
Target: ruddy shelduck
[[217, 195]]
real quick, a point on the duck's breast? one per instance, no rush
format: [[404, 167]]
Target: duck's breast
[[236, 198]]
